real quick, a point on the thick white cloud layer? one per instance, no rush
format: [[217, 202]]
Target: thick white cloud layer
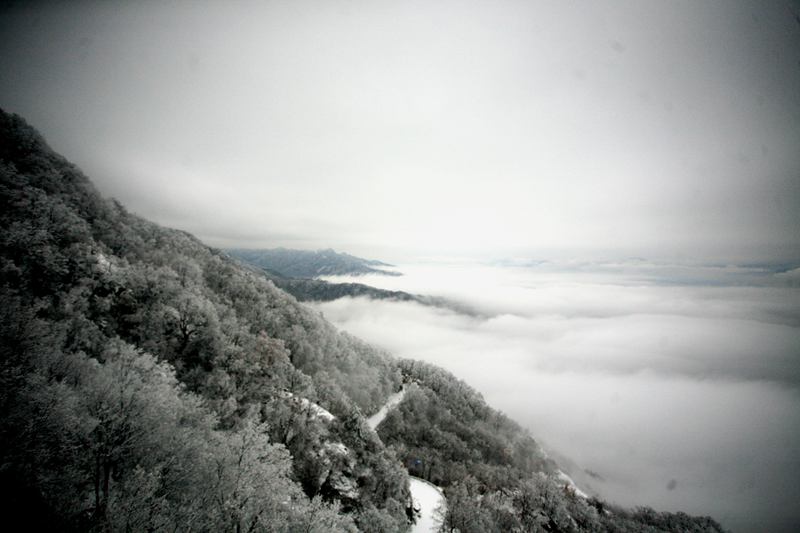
[[679, 397]]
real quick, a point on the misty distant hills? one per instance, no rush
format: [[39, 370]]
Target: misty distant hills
[[294, 272], [310, 264], [317, 290]]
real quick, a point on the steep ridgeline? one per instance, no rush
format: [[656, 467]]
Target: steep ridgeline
[[310, 264], [495, 476], [317, 290], [148, 382]]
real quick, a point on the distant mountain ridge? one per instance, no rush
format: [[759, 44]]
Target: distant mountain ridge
[[310, 264], [317, 290]]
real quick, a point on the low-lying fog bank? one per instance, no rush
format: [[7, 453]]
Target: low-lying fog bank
[[672, 387]]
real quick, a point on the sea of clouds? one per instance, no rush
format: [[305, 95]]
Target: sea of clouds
[[676, 387]]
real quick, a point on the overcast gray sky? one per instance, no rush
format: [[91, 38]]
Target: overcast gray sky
[[663, 129]]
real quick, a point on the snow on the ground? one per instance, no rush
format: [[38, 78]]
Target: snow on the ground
[[315, 409], [375, 420], [428, 497], [564, 477], [337, 448]]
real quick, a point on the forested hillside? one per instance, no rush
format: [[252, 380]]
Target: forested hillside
[[310, 264], [150, 383], [496, 478], [317, 290]]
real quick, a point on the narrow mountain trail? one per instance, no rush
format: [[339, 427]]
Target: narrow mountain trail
[[375, 420], [427, 496]]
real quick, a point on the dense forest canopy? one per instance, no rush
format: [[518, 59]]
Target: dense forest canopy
[[149, 382], [136, 361]]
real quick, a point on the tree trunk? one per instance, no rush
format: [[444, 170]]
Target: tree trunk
[[106, 477], [97, 485]]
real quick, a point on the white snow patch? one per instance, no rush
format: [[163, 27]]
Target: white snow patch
[[564, 477], [571, 484], [313, 408], [337, 447], [103, 264], [428, 497], [375, 420]]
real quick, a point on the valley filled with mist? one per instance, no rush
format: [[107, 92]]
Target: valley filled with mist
[[655, 384]]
